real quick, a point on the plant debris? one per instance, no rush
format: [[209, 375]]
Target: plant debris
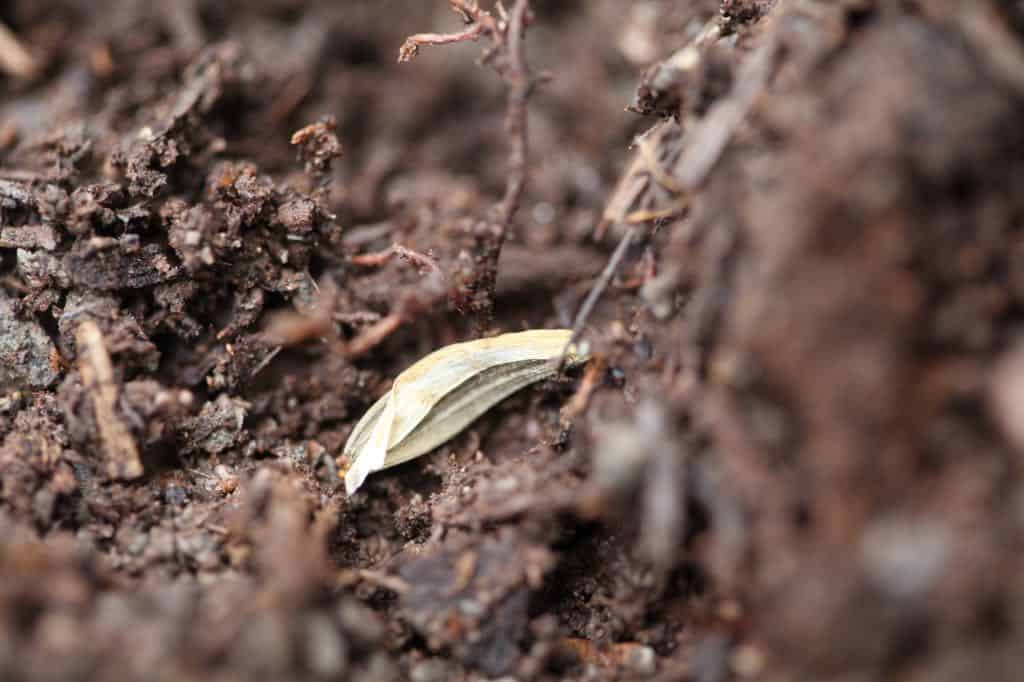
[[442, 394]]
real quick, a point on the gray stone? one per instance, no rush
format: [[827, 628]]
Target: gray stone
[[25, 351]]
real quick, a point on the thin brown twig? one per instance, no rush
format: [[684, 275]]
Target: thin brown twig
[[375, 333], [508, 58], [649, 267], [374, 259], [520, 84], [596, 291], [379, 579], [411, 47], [122, 454], [267, 359], [378, 258], [592, 378], [479, 22]]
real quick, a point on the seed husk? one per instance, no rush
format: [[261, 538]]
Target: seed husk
[[443, 393]]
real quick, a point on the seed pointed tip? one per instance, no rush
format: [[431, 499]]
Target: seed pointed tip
[[354, 479]]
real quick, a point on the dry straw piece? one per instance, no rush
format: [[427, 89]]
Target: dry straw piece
[[442, 394]]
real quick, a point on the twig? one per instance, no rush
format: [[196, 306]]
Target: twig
[[14, 58], [480, 22], [122, 455], [411, 47], [375, 333], [596, 291], [644, 215], [267, 359], [519, 86], [388, 582], [508, 59], [592, 377], [378, 258]]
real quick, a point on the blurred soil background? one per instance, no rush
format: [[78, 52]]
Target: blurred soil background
[[798, 452]]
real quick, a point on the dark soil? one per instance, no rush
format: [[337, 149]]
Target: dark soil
[[797, 452]]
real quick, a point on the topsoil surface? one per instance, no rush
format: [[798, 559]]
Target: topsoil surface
[[797, 452]]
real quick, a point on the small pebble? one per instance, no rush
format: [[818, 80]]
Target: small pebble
[[642, 660], [430, 670], [748, 661]]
